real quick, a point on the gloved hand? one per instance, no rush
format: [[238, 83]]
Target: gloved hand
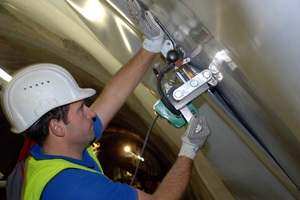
[[154, 34], [195, 137]]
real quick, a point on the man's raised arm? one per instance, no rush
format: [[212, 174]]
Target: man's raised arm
[[128, 77]]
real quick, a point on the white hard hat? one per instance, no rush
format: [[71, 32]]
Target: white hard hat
[[37, 89]]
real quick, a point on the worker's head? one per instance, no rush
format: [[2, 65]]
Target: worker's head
[[37, 94]]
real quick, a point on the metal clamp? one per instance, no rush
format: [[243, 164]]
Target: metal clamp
[[190, 86]]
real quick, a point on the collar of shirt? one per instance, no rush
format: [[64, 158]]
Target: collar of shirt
[[37, 153]]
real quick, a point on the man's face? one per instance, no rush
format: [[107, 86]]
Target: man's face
[[80, 128]]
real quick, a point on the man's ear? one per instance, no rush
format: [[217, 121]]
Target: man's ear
[[56, 127]]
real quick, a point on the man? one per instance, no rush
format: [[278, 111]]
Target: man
[[45, 101]]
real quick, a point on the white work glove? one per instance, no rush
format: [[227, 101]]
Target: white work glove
[[154, 34], [195, 137]]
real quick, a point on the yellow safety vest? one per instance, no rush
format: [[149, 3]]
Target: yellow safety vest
[[39, 172]]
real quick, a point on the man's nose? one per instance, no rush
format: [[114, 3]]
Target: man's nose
[[90, 113]]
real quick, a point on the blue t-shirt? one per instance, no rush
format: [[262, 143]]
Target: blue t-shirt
[[82, 184]]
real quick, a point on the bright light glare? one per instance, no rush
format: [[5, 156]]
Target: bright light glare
[[128, 173], [5, 75], [92, 10], [121, 24], [95, 144], [222, 55], [127, 148], [118, 10], [141, 158]]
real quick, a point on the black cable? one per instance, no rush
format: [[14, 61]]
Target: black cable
[[166, 32], [143, 149], [164, 99]]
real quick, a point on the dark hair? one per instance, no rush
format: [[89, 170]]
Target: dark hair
[[39, 131]]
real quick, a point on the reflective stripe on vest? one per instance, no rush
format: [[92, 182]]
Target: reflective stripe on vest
[[39, 172]]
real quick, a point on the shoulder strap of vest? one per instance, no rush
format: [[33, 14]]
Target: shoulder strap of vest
[[15, 181], [91, 153]]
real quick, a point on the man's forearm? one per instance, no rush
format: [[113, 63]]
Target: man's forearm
[[121, 85], [176, 181], [174, 184]]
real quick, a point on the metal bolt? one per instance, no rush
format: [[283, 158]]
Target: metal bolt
[[178, 94], [206, 74], [194, 83], [213, 68]]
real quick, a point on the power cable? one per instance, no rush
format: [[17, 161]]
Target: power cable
[[143, 149]]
